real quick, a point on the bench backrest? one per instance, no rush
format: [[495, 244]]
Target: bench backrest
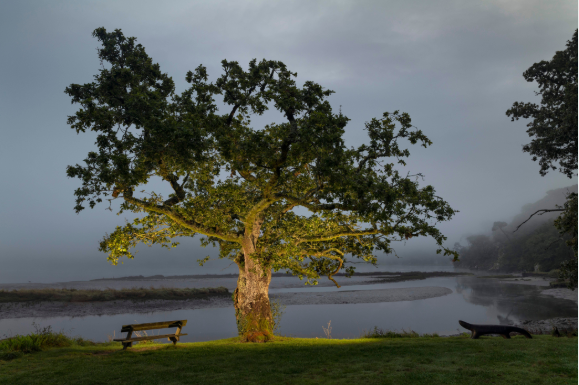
[[154, 325]]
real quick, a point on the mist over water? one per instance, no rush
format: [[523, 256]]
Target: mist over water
[[89, 263]]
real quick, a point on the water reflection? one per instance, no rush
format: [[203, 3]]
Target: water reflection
[[474, 300], [202, 325], [514, 302]]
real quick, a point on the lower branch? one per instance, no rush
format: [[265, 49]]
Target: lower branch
[[330, 256], [169, 212], [542, 211]]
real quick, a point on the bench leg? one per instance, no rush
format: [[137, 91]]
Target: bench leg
[[128, 344], [176, 338]]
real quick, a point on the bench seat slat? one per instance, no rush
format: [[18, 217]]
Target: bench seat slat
[[134, 339], [153, 325]]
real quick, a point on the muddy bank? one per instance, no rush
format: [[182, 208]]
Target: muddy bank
[[537, 281], [361, 296], [279, 281], [546, 326], [95, 295], [81, 309], [569, 294], [197, 283]]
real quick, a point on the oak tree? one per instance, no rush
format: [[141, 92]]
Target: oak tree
[[554, 131], [554, 122], [240, 187]]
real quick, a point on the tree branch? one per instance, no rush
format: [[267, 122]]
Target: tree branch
[[232, 114], [313, 207], [253, 214], [552, 243], [337, 235], [246, 175], [368, 157], [174, 182], [196, 227], [536, 212], [325, 254]]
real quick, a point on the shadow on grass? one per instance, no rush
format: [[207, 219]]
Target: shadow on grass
[[424, 360]]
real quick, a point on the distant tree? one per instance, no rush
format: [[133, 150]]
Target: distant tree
[[481, 253], [238, 186], [543, 246], [499, 226], [554, 133]]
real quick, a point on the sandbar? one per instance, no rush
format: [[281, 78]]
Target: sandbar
[[83, 309]]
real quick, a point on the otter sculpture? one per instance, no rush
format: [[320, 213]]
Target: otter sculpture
[[503, 330]]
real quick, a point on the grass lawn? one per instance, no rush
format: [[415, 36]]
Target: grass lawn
[[425, 360]]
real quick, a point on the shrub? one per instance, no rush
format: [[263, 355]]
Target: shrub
[[277, 310], [554, 273], [42, 338], [379, 333]]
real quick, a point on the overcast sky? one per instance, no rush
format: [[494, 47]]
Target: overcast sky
[[454, 66]]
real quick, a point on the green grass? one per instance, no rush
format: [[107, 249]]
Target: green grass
[[424, 360], [74, 295]]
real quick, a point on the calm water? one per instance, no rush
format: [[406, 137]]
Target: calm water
[[473, 300]]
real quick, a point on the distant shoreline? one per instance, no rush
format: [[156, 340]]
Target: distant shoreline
[[232, 275]]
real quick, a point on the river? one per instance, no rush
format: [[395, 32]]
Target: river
[[473, 299]]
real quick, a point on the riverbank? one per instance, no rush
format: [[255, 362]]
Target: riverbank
[[568, 294], [542, 281], [563, 324], [416, 361], [47, 309], [96, 295], [229, 281]]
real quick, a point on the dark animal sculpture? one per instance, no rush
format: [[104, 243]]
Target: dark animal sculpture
[[503, 330]]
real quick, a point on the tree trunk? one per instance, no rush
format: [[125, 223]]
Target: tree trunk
[[251, 297]]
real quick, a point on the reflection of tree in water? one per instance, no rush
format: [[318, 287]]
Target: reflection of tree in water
[[513, 301], [506, 320]]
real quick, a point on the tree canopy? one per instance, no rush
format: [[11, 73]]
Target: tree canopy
[[554, 122], [554, 131], [238, 186]]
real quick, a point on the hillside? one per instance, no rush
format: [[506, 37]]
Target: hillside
[[537, 245]]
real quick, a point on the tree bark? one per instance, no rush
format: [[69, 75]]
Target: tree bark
[[251, 297]]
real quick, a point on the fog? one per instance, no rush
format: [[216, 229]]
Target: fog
[[454, 66]]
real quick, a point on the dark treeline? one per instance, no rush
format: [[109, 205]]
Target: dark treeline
[[536, 246]]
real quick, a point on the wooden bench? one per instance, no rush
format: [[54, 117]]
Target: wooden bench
[[128, 340]]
